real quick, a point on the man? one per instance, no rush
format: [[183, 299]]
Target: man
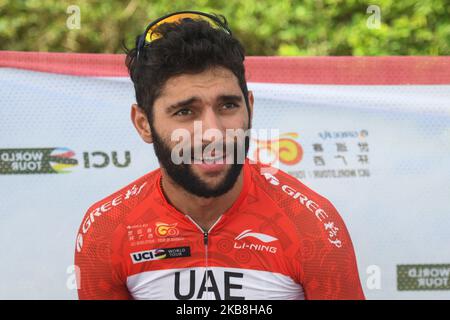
[[209, 226]]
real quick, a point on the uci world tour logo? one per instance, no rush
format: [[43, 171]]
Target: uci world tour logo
[[36, 161], [57, 160], [62, 160], [285, 149]]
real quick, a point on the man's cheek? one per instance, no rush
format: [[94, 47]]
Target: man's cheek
[[180, 151]]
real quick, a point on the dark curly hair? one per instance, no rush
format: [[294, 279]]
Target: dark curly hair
[[188, 46]]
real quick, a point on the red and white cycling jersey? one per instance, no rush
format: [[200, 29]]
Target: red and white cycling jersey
[[279, 240]]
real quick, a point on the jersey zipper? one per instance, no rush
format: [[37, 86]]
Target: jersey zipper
[[205, 242]]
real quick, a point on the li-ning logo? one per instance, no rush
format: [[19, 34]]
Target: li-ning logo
[[260, 236], [166, 230], [255, 246]]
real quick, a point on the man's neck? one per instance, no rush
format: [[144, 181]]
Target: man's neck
[[204, 211]]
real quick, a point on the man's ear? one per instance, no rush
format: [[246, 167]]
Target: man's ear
[[140, 122]]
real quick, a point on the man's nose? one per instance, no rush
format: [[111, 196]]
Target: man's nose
[[211, 120]]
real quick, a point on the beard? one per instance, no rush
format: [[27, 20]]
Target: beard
[[184, 175]]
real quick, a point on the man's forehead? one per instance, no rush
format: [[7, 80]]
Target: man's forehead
[[209, 81]]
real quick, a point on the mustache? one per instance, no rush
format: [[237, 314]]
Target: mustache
[[218, 147]]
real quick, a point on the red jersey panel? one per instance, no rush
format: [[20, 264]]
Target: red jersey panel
[[279, 240]]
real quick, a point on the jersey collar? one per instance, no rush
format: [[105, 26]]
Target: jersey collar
[[237, 203]]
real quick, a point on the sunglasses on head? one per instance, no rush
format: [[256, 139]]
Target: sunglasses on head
[[150, 33]]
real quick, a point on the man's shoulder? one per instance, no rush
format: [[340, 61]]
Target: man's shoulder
[[280, 184], [104, 215], [134, 190], [312, 215]]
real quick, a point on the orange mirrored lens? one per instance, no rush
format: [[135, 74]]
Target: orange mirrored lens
[[151, 35]]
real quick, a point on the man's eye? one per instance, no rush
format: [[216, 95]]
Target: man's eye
[[230, 105], [183, 112]]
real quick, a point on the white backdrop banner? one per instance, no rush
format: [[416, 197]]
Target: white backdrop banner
[[370, 134]]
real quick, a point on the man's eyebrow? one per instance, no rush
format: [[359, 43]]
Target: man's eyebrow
[[191, 100], [229, 97], [182, 103]]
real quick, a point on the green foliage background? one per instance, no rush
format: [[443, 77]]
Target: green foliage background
[[266, 27]]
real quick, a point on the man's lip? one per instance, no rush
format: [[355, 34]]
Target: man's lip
[[203, 159], [210, 167]]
